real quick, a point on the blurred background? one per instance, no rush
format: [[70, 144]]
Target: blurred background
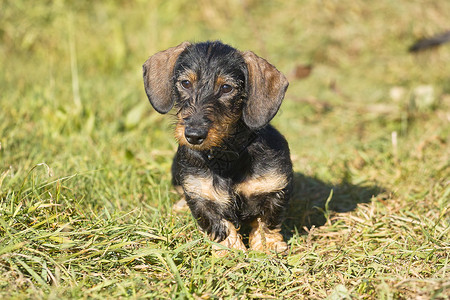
[[72, 93]]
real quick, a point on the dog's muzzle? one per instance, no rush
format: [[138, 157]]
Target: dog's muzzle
[[195, 136]]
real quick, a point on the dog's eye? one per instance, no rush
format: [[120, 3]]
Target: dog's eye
[[226, 88], [186, 84]]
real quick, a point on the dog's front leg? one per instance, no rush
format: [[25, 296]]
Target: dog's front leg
[[212, 207]]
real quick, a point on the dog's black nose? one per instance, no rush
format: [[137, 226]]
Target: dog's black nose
[[195, 136]]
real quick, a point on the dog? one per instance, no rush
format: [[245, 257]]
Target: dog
[[232, 166]]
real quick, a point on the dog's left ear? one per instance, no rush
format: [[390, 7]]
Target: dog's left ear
[[158, 73], [266, 89]]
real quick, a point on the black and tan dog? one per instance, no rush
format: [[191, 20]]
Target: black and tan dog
[[232, 165]]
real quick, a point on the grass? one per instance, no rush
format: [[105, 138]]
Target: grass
[[85, 195]]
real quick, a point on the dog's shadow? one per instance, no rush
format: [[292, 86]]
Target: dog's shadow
[[309, 206]]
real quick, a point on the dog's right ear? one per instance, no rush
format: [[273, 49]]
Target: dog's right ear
[[266, 89], [158, 72]]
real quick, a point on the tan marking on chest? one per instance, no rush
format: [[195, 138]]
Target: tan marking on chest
[[267, 183], [203, 187]]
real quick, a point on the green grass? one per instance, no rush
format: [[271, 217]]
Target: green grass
[[85, 194]]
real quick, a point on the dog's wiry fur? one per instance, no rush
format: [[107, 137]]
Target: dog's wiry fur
[[232, 165]]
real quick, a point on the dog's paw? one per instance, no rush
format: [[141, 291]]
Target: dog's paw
[[232, 244], [266, 240], [233, 241], [180, 206], [277, 246]]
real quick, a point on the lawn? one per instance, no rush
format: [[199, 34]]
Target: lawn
[[85, 193]]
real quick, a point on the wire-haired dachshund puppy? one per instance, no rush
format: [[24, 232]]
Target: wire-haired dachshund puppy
[[233, 167]]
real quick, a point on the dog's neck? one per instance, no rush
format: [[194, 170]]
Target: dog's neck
[[222, 158]]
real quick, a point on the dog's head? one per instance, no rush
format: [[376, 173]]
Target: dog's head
[[213, 86]]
